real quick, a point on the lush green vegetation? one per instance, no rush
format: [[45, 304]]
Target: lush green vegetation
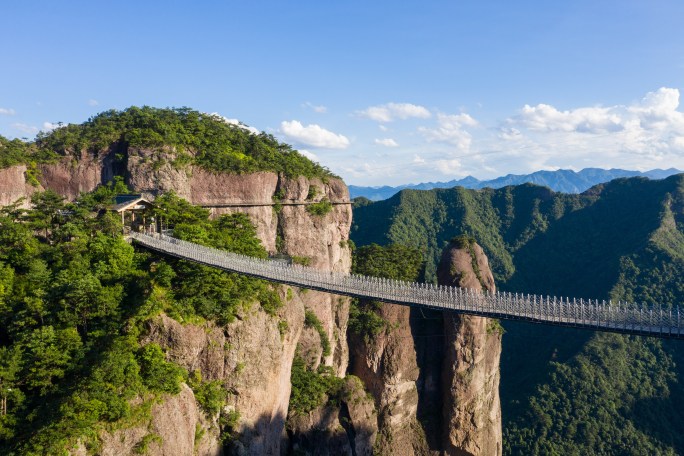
[[395, 261], [16, 152], [312, 321], [566, 391], [320, 208], [191, 137], [204, 139], [74, 302], [312, 388]]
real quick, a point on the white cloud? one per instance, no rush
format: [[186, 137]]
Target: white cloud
[[449, 167], [311, 156], [544, 117], [235, 122], [417, 159], [382, 128], [315, 108], [93, 102], [451, 130], [644, 134], [387, 142], [24, 128], [7, 112], [49, 126], [393, 111], [313, 135]]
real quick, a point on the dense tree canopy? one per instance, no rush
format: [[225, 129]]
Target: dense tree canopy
[[206, 140]]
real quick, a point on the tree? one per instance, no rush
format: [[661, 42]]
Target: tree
[[47, 211]]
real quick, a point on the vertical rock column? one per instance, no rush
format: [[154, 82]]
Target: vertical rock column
[[388, 367], [470, 373]]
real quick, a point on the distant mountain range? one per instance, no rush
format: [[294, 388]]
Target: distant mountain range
[[563, 180]]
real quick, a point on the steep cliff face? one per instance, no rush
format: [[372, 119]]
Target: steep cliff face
[[470, 375], [13, 186], [253, 356], [388, 366]]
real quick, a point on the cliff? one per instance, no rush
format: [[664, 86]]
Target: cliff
[[470, 377], [252, 356]]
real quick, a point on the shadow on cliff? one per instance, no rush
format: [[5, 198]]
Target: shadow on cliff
[[427, 328], [328, 430]]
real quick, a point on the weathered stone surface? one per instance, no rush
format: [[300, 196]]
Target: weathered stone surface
[[387, 365], [470, 376], [171, 432], [13, 186]]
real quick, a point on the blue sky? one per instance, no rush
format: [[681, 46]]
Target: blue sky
[[380, 92]]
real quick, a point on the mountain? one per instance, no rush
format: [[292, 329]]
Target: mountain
[[566, 391], [108, 348], [563, 180]]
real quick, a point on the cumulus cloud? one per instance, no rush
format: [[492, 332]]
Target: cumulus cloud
[[235, 122], [316, 108], [7, 112], [644, 134], [393, 111], [450, 129], [313, 135], [387, 142]]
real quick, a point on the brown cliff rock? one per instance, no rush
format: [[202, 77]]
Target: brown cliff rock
[[470, 373], [172, 431], [13, 186], [387, 364]]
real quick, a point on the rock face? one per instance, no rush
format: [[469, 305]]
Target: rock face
[[177, 427], [388, 366], [13, 186], [470, 375]]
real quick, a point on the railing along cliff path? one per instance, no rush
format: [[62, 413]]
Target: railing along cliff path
[[591, 314]]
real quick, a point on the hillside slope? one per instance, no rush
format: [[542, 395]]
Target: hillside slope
[[564, 390]]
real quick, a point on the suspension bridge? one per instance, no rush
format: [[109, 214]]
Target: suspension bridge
[[598, 315]]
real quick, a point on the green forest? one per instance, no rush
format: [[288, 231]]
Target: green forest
[[197, 138], [74, 300], [564, 391]]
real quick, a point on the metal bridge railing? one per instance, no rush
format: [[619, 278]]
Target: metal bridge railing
[[600, 315]]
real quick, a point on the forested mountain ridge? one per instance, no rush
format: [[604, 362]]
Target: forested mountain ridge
[[567, 391], [562, 180], [206, 140]]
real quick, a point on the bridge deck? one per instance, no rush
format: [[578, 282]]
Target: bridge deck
[[590, 314]]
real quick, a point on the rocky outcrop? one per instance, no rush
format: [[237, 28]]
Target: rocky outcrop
[[388, 366], [13, 186], [470, 377], [177, 427]]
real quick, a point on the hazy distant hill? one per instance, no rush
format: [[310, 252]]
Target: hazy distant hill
[[563, 180]]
